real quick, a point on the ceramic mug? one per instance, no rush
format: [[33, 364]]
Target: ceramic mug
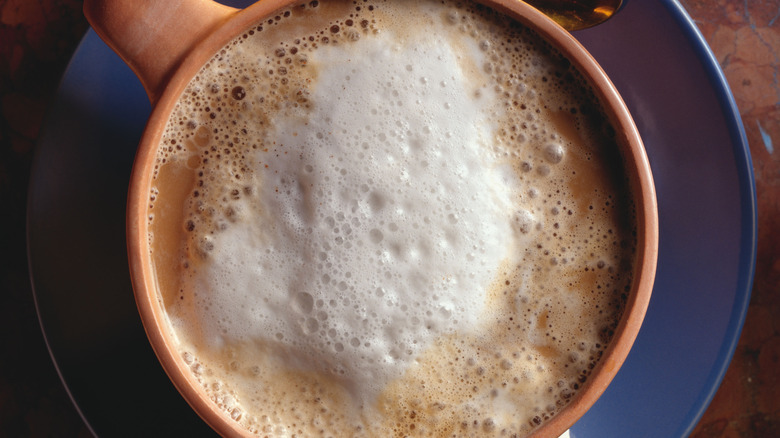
[[166, 42]]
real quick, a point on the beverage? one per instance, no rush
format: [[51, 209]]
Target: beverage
[[390, 218]]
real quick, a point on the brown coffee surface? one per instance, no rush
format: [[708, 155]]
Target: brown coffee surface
[[463, 160]]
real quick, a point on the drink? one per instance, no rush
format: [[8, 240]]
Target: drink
[[390, 218]]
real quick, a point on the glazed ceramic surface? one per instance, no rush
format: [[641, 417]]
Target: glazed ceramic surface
[[68, 208]]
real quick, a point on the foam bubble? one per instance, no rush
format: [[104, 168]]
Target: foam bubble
[[554, 152]]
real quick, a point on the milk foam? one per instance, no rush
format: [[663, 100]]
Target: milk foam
[[397, 218], [381, 217]]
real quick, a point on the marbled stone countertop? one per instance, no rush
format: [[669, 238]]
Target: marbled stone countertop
[[37, 38]]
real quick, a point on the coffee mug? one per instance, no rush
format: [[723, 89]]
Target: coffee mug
[[382, 217]]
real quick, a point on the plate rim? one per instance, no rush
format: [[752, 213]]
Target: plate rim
[[749, 207]]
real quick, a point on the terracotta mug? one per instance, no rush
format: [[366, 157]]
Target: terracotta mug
[[166, 42]]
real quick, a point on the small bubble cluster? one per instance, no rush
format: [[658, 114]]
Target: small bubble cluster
[[403, 219]]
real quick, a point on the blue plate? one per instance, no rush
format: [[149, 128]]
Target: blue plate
[[706, 194]]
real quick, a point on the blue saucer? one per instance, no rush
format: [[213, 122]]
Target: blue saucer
[[706, 193]]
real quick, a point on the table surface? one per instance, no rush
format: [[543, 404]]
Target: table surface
[[37, 39]]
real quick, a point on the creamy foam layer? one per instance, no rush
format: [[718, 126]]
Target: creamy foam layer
[[390, 218], [380, 218]]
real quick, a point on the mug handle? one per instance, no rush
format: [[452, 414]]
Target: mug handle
[[154, 36]]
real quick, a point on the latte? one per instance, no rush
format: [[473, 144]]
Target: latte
[[390, 218]]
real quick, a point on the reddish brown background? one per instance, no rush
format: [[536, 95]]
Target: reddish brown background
[[37, 37]]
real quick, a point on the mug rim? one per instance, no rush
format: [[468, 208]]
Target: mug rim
[[636, 165]]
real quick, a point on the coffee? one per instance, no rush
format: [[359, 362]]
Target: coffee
[[390, 218]]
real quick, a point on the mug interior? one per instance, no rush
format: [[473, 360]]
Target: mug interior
[[636, 166]]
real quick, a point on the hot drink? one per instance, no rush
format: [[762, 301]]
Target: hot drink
[[391, 218]]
